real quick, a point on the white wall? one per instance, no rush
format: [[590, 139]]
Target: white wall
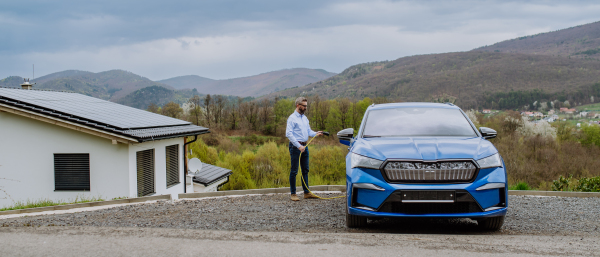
[[27, 148], [160, 166]]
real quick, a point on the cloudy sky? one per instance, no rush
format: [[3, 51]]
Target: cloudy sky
[[226, 39]]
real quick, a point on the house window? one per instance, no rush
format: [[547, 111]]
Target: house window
[[172, 160], [145, 172], [72, 171]]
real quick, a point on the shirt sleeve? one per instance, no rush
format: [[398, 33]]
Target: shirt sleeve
[[310, 131], [289, 133]]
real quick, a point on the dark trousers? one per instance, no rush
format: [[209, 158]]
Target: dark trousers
[[303, 160]]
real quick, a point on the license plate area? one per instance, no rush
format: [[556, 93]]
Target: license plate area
[[428, 196]]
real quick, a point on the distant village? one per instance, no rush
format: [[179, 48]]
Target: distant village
[[563, 114]]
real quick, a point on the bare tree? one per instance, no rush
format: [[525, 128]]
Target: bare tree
[[196, 110], [219, 105], [265, 111], [234, 112], [208, 109], [249, 111]]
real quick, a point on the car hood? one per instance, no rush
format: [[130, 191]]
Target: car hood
[[419, 148]]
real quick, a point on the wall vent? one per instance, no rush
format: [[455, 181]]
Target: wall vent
[[72, 171]]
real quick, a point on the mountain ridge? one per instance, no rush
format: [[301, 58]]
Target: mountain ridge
[[471, 78], [255, 85], [582, 41]]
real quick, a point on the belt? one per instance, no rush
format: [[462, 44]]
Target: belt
[[302, 143]]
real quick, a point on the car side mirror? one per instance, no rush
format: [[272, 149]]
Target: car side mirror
[[345, 136], [487, 133]]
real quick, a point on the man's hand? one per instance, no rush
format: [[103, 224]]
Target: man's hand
[[319, 133], [302, 148]]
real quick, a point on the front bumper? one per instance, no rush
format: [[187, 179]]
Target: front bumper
[[385, 202], [474, 215]]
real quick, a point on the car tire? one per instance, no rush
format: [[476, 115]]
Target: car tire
[[491, 224], [354, 221]]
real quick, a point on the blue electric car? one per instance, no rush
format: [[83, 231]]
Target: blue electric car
[[423, 160]]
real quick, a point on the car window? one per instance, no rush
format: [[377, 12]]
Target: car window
[[410, 122]]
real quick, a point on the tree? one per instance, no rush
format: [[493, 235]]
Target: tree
[[265, 116], [345, 115], [219, 105], [153, 108], [172, 110], [234, 112], [249, 111], [208, 105], [334, 117], [196, 110]]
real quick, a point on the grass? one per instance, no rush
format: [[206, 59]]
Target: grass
[[595, 106], [47, 202]]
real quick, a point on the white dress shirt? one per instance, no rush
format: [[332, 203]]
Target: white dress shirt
[[298, 129]]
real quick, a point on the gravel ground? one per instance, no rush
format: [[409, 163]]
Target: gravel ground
[[275, 212]]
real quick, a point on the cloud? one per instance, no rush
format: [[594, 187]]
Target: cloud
[[225, 39]]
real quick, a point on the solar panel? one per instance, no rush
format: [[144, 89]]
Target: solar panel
[[90, 108]]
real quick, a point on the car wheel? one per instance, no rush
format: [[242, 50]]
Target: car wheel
[[491, 224], [354, 221]]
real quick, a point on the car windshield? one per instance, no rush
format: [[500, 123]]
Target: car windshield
[[415, 121]]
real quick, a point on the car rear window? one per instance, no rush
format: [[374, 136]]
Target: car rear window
[[412, 122]]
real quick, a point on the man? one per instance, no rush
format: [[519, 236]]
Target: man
[[297, 131]]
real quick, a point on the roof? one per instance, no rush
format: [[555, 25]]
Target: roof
[[99, 114], [211, 174], [413, 104]]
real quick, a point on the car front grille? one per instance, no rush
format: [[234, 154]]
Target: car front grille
[[429, 208], [421, 172], [463, 203]]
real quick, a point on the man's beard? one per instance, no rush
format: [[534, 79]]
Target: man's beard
[[301, 111]]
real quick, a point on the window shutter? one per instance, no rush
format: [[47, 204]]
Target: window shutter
[[145, 172], [72, 171], [172, 160]]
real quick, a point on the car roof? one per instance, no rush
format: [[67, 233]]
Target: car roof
[[412, 105]]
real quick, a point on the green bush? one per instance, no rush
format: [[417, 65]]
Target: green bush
[[520, 186], [268, 165], [588, 185], [584, 184], [562, 184], [590, 135]]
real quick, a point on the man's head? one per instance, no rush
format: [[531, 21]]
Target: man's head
[[301, 104]]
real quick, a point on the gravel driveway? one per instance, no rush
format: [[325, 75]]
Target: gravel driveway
[[275, 212]]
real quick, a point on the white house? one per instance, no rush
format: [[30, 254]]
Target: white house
[[60, 146]]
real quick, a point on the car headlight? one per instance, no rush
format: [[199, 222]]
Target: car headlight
[[364, 162], [490, 161]]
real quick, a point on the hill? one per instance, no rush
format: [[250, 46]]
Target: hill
[[108, 85], [256, 85], [470, 79], [12, 81], [189, 81], [158, 95], [578, 42]]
